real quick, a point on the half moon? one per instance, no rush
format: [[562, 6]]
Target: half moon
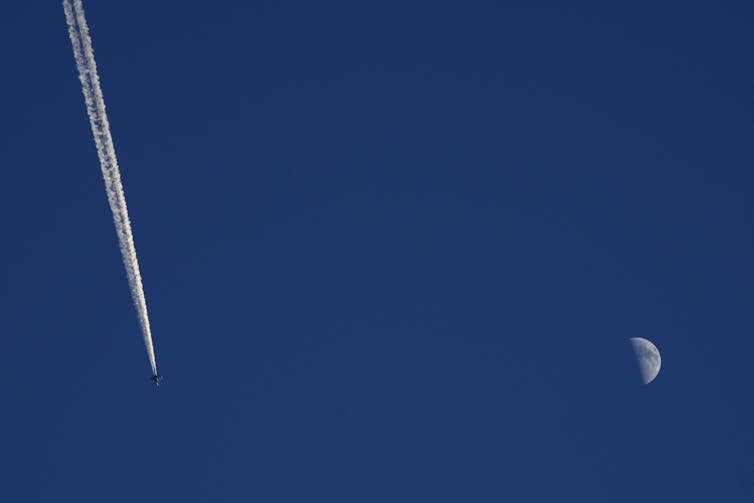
[[648, 358]]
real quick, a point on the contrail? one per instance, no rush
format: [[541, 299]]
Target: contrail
[[95, 107]]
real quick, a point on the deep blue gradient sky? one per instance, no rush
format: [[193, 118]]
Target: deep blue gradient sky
[[392, 251]]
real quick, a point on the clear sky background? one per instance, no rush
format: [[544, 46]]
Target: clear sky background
[[392, 251]]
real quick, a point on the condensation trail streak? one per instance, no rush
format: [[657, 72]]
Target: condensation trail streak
[[78, 31]]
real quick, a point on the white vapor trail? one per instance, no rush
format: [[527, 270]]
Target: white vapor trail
[[95, 107]]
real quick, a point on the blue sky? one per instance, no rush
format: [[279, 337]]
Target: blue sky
[[392, 251]]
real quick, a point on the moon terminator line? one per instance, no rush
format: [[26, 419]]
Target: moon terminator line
[[647, 357]]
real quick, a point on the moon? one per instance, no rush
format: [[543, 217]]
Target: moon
[[648, 358]]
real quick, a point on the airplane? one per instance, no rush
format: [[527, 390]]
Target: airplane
[[156, 378]]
